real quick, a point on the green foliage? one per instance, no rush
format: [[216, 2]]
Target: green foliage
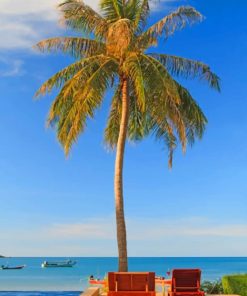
[[214, 287], [111, 46], [235, 284]]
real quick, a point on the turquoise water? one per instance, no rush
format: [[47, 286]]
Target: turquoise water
[[35, 278]]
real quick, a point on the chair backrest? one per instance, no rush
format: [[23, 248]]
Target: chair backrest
[[131, 281], [186, 280]]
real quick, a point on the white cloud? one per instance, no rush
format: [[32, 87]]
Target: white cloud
[[87, 230], [45, 8], [97, 237], [10, 67], [139, 230], [15, 35], [24, 22], [186, 228]]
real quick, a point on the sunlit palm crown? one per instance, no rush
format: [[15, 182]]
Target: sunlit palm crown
[[113, 47]]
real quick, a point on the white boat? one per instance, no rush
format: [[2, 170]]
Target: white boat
[[68, 263]]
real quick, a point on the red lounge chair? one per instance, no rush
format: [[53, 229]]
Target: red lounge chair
[[131, 284], [186, 282]]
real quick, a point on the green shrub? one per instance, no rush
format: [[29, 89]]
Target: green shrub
[[235, 284], [212, 287]]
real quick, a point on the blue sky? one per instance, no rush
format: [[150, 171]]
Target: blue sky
[[51, 205]]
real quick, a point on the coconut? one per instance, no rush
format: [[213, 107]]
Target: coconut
[[119, 37]]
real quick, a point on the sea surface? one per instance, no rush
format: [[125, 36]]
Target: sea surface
[[72, 281]]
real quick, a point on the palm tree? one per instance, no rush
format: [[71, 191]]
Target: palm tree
[[112, 49]]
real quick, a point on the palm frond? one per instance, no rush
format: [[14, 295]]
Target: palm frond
[[160, 80], [162, 110], [79, 16], [138, 11], [71, 85], [171, 23], [134, 71], [164, 126], [164, 132], [75, 46], [193, 116], [188, 69], [112, 10], [164, 98], [139, 124], [113, 123], [79, 103], [67, 73]]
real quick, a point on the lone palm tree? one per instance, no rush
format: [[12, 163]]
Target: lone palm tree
[[113, 50]]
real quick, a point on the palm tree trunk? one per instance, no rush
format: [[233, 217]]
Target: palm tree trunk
[[121, 228]]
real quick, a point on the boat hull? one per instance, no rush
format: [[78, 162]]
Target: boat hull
[[12, 268], [58, 264]]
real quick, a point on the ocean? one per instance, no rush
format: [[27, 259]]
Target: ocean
[[72, 281]]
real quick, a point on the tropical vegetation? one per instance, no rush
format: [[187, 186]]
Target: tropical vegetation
[[235, 284], [212, 287], [113, 48]]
